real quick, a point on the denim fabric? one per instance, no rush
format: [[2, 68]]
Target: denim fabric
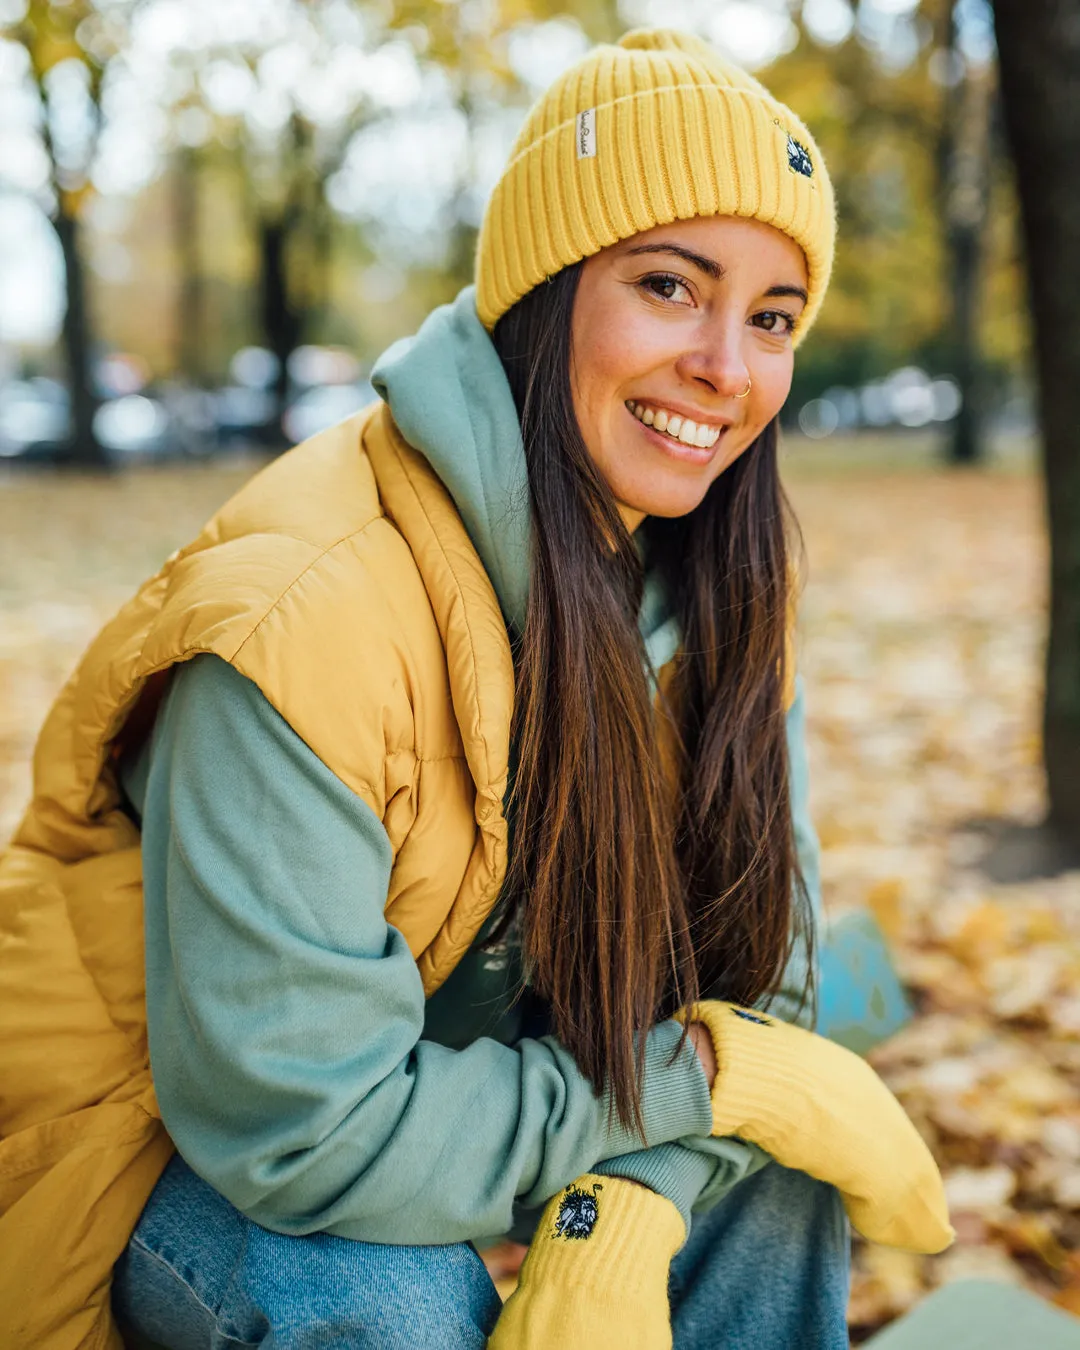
[[766, 1269]]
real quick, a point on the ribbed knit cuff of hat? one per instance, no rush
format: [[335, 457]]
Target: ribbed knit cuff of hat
[[657, 128], [596, 1273]]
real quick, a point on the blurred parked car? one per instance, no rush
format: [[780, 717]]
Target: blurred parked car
[[135, 427], [243, 414], [324, 385], [35, 425], [35, 419], [310, 366], [907, 397], [245, 409], [141, 420], [320, 408]]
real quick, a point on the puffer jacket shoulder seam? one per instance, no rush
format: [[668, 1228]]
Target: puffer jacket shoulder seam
[[323, 553]]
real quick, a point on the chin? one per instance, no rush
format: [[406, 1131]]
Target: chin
[[670, 500]]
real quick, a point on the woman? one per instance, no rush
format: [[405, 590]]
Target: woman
[[385, 1021]]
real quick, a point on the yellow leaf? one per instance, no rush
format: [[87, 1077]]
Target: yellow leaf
[[984, 932], [884, 901]]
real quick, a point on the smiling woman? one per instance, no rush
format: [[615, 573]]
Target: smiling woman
[[705, 351], [455, 778]]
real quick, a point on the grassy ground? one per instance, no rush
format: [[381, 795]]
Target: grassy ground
[[922, 626]]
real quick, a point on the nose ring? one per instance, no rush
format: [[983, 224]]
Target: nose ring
[[746, 390]]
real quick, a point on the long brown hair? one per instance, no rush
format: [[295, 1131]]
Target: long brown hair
[[634, 898]]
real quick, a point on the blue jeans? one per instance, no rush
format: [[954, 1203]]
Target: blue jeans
[[766, 1269]]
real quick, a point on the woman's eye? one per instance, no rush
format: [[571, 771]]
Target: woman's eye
[[667, 287], [775, 321]]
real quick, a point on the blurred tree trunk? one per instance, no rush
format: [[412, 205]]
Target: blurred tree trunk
[[281, 324], [965, 168], [320, 264], [1039, 54], [48, 34], [282, 314], [85, 451], [191, 302]]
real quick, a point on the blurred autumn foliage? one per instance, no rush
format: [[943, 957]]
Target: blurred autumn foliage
[[923, 626], [298, 171]]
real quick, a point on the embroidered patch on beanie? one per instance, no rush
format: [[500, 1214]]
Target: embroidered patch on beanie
[[798, 157], [578, 1212], [751, 1017]]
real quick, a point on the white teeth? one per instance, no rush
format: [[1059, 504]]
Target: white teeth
[[683, 429]]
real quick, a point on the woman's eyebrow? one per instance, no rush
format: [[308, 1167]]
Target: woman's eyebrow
[[706, 265], [713, 269], [795, 292]]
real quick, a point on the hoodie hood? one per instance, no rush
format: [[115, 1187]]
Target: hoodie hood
[[450, 398]]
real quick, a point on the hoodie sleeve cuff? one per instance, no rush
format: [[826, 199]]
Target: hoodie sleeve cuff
[[675, 1097], [678, 1174]]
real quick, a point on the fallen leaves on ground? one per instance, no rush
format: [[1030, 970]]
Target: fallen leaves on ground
[[923, 627], [923, 623]]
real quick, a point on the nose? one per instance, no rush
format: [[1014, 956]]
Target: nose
[[716, 359]]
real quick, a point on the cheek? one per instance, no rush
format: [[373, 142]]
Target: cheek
[[613, 345], [600, 359], [592, 358], [772, 384], [596, 372], [599, 363]]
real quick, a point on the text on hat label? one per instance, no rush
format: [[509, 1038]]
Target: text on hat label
[[585, 134]]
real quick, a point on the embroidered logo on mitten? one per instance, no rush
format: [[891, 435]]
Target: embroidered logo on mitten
[[751, 1017], [578, 1212]]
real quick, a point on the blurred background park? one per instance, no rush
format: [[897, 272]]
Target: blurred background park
[[214, 214]]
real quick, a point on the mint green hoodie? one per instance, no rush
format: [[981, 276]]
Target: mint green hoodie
[[297, 1065]]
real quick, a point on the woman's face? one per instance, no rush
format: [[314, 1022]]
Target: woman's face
[[669, 327]]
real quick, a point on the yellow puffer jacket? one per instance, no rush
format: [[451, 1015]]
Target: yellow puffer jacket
[[340, 580]]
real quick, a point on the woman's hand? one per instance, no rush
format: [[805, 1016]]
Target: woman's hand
[[820, 1109], [597, 1272], [701, 1040]]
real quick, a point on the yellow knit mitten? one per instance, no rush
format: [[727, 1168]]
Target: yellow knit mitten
[[597, 1272], [818, 1108]]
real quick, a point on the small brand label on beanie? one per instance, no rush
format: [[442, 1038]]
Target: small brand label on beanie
[[586, 134]]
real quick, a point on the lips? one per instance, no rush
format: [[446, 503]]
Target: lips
[[700, 435]]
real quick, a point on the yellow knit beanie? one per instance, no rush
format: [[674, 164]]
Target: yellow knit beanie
[[655, 129]]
